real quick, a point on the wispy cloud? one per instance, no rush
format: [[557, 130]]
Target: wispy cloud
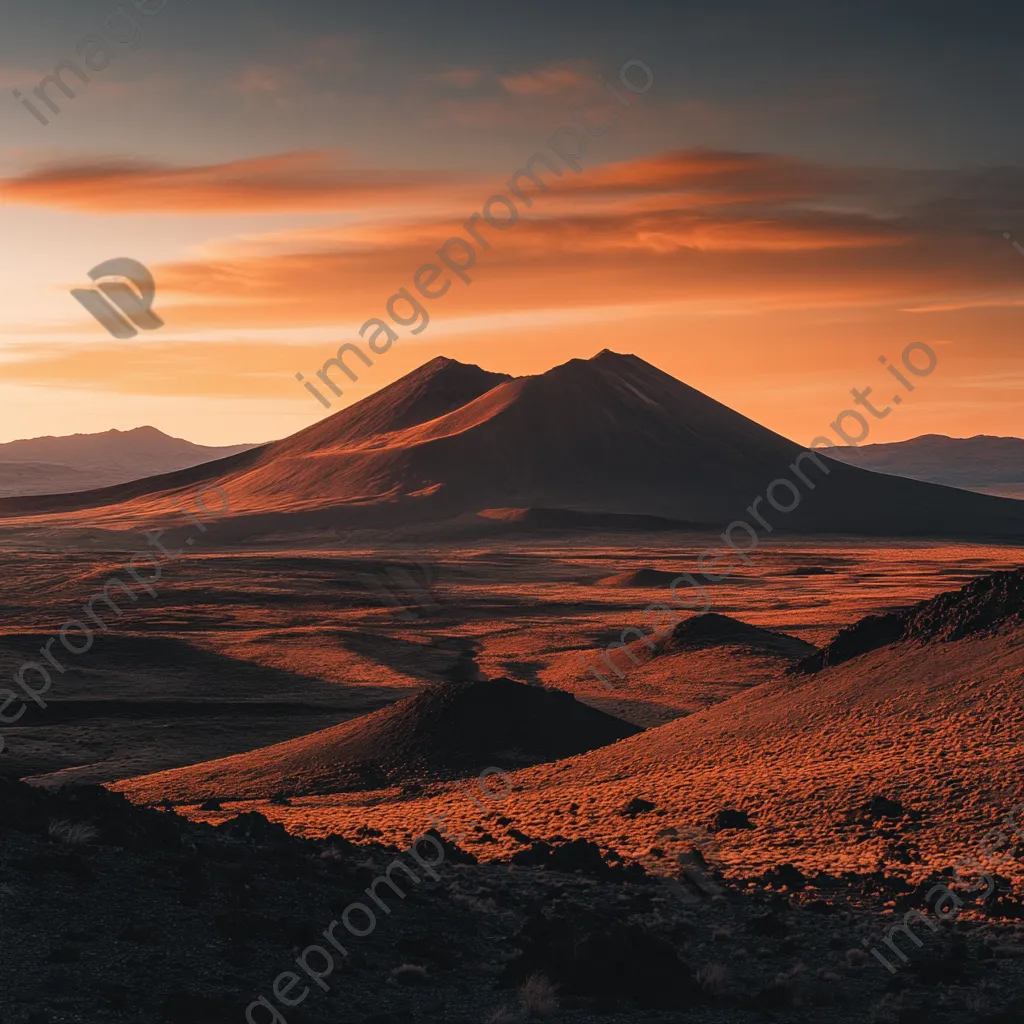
[[285, 182], [691, 226], [260, 80], [551, 81], [459, 78]]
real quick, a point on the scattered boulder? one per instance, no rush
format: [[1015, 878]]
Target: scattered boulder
[[637, 806], [253, 827], [730, 818], [453, 854], [882, 807], [785, 875], [822, 907], [535, 855], [578, 855], [693, 858]]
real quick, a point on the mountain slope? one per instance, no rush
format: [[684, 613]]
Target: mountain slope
[[933, 725], [934, 721], [611, 434], [30, 478], [55, 465], [989, 465]]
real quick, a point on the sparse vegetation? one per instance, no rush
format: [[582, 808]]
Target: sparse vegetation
[[504, 1014], [539, 996], [712, 978], [410, 974], [74, 834]]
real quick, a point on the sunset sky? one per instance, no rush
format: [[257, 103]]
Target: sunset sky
[[805, 187]]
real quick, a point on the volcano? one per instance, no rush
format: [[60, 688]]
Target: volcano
[[608, 436]]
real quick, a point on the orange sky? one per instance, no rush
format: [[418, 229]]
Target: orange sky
[[772, 282]]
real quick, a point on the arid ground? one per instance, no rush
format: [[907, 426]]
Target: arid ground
[[720, 794], [251, 648], [861, 781]]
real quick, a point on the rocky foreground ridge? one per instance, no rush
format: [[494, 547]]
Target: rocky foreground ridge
[[116, 913]]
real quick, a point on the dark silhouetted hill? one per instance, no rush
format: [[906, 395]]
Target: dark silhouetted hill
[[447, 731], [983, 605]]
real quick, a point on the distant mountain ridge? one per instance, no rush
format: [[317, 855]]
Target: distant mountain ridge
[[983, 463], [79, 462]]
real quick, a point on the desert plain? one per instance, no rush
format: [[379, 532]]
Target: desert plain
[[788, 788]]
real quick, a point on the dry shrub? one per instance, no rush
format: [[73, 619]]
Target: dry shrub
[[712, 978], [856, 957], [503, 1015], [825, 988], [888, 1009], [786, 990], [69, 833], [975, 1002], [538, 996], [410, 974]]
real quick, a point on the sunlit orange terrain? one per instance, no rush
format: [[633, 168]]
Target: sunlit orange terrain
[[756, 765]]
